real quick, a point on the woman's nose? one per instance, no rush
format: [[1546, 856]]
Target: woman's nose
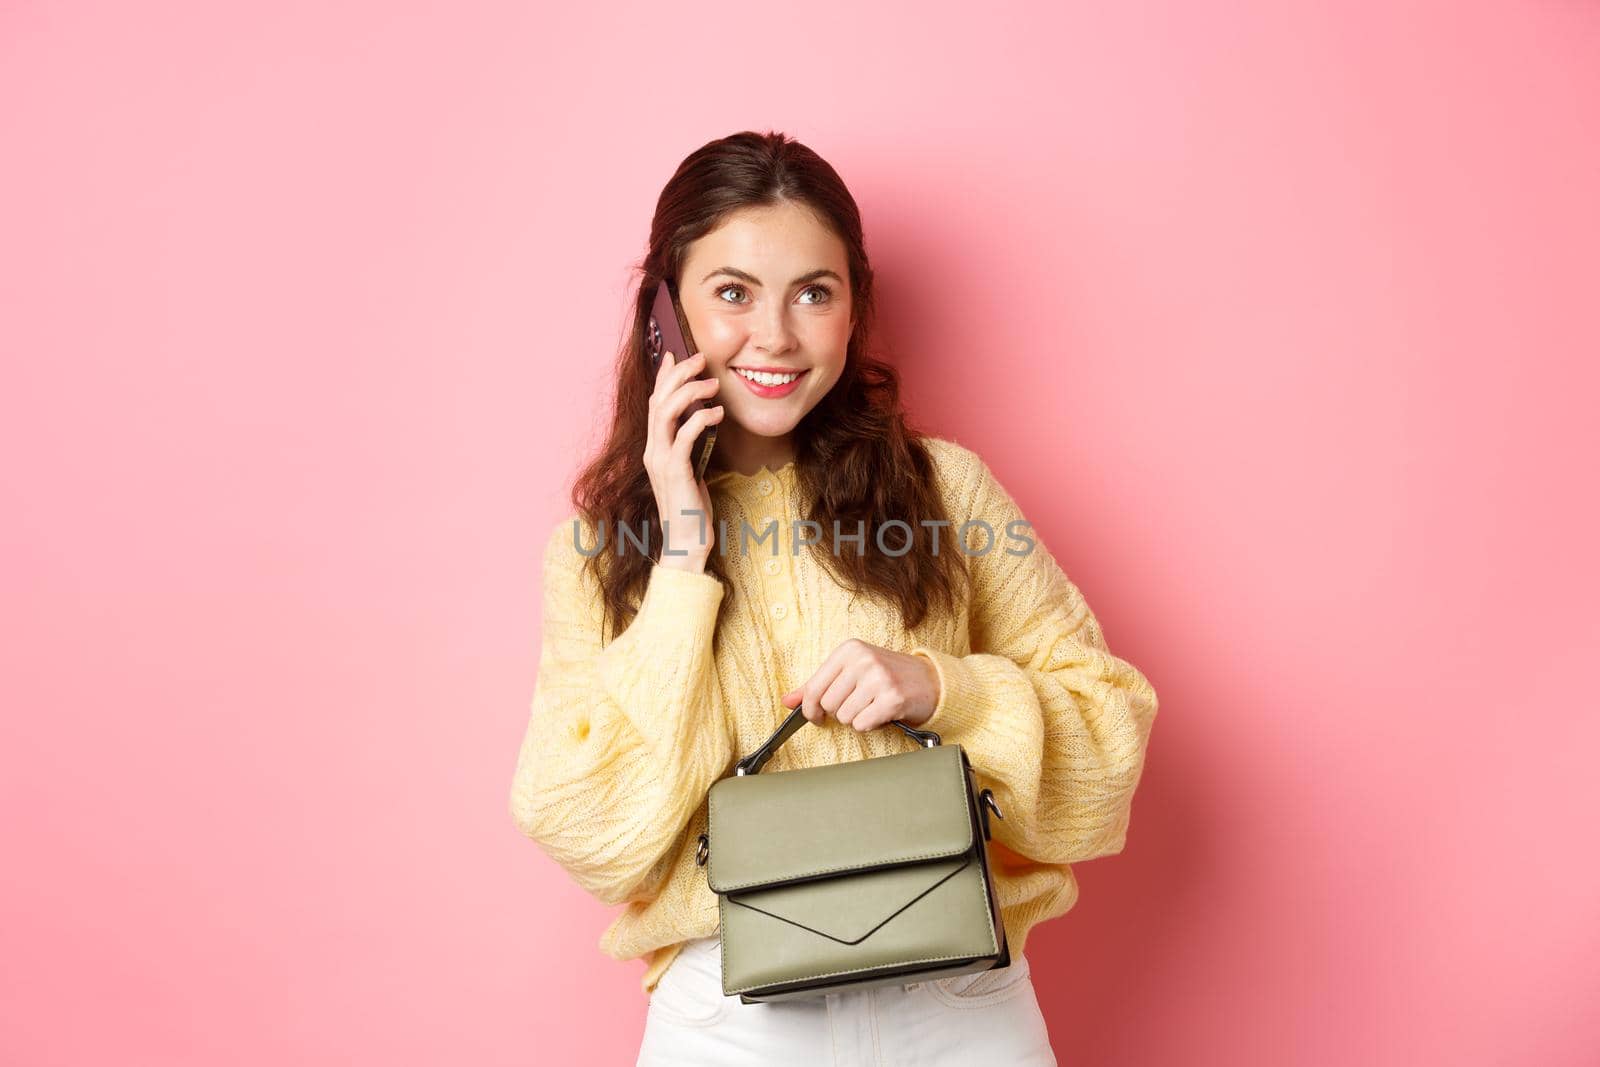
[[774, 333]]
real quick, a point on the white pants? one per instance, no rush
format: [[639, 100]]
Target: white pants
[[990, 1018]]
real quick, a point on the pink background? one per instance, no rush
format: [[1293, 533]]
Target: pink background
[[1278, 318]]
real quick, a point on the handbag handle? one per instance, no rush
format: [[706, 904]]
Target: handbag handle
[[753, 763]]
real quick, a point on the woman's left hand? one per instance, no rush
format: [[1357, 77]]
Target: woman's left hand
[[865, 686]]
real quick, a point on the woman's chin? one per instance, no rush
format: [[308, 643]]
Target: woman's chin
[[767, 425]]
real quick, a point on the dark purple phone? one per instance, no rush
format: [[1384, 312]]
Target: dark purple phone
[[668, 331]]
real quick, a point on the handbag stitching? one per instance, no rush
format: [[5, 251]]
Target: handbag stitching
[[855, 970], [711, 809]]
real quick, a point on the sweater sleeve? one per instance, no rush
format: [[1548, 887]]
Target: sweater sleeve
[[623, 740], [1053, 722]]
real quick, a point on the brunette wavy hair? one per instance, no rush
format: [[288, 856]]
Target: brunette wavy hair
[[857, 459]]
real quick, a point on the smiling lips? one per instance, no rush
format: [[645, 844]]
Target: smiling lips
[[770, 385]]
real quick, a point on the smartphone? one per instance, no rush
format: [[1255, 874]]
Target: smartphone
[[668, 331]]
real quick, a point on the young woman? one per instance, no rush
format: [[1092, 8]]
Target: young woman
[[917, 595]]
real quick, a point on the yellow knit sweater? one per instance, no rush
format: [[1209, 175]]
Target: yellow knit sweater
[[625, 739]]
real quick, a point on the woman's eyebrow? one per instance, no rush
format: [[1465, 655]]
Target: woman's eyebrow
[[743, 276]]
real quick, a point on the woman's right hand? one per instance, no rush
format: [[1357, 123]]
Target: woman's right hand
[[683, 502]]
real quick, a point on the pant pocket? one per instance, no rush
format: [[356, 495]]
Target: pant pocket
[[689, 992], [982, 988]]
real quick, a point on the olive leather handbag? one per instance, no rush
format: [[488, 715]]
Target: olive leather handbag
[[865, 873]]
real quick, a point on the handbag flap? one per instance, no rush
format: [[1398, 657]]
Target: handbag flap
[[781, 827], [848, 910]]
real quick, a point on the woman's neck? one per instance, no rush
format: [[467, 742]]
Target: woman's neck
[[748, 453]]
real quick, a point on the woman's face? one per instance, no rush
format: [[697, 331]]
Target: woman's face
[[768, 290]]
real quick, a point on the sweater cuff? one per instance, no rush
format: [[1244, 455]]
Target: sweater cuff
[[680, 594], [961, 708], [658, 667]]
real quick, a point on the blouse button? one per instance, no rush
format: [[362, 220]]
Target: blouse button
[[772, 566], [779, 610], [765, 485]]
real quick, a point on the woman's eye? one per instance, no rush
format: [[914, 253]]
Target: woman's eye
[[823, 290]]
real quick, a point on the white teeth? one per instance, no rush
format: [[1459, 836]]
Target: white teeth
[[763, 378]]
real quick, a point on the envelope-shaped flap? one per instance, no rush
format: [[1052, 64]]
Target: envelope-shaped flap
[[848, 910], [780, 827]]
